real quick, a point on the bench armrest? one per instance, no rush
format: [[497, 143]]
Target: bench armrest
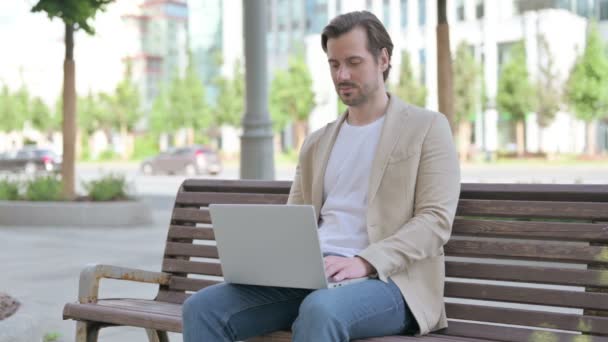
[[88, 288]]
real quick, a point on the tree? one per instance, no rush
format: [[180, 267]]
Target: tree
[[292, 98], [547, 86], [125, 107], [587, 87], [75, 15], [40, 115], [467, 90], [231, 98], [11, 111], [444, 65], [516, 94], [160, 115], [408, 88]]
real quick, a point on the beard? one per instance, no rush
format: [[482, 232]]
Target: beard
[[357, 95]]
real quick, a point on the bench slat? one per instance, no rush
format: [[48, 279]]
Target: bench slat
[[596, 232], [254, 186], [527, 251], [500, 293], [187, 249], [529, 274], [191, 215], [510, 334], [189, 232], [172, 296], [190, 284], [535, 192], [206, 198], [533, 209], [541, 319], [191, 267], [118, 314]]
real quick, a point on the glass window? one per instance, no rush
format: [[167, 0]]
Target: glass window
[[368, 5], [386, 13], [603, 9], [422, 57], [338, 7], [403, 14], [582, 8], [565, 4], [460, 10], [421, 12], [479, 9]]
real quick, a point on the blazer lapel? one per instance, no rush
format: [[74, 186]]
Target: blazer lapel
[[393, 127], [325, 145]]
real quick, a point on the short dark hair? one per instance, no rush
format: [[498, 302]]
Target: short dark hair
[[377, 36]]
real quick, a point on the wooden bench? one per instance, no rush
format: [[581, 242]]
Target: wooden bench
[[525, 263]]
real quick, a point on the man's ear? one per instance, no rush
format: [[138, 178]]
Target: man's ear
[[384, 59]]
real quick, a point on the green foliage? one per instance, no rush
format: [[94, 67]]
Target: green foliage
[[51, 337], [516, 95], [14, 109], [182, 104], [9, 190], [467, 84], [587, 87], [291, 94], [108, 155], [161, 113], [548, 93], [74, 12], [145, 146], [231, 98], [91, 113], [124, 104], [44, 188], [111, 187], [408, 89]]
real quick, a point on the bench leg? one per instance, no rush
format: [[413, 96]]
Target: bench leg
[[157, 335], [86, 332]]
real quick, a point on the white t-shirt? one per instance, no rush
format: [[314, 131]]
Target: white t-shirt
[[343, 220]]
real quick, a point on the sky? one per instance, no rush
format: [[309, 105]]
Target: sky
[[32, 50]]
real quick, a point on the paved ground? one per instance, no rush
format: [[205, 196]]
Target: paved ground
[[41, 265]]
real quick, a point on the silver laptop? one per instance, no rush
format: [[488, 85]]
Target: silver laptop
[[270, 245]]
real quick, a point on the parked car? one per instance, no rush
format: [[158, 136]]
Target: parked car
[[190, 160], [31, 160]]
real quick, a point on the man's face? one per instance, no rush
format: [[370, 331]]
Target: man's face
[[356, 73]]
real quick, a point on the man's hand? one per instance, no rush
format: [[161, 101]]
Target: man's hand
[[340, 268]]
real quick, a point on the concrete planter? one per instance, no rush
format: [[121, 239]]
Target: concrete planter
[[23, 326], [80, 214]]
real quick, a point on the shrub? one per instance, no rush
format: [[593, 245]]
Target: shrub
[[145, 146], [9, 190], [111, 187], [108, 155], [46, 188]]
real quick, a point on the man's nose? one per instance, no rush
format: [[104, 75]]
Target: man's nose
[[343, 74]]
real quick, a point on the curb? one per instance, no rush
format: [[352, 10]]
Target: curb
[[80, 214]]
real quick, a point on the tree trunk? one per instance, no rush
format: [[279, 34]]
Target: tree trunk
[[591, 138], [68, 168], [444, 65], [464, 140], [125, 142], [520, 132], [190, 136]]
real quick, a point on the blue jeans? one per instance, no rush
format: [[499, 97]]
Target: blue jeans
[[230, 312]]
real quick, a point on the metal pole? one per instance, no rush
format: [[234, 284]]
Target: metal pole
[[257, 155]]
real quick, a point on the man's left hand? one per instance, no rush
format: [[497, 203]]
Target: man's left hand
[[340, 268]]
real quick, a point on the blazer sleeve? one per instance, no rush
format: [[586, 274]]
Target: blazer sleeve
[[436, 197]]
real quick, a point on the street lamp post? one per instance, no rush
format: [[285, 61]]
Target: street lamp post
[[257, 157]]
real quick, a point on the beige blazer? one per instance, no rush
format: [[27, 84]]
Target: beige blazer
[[412, 196]]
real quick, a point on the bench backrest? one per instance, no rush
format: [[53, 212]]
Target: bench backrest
[[520, 254]]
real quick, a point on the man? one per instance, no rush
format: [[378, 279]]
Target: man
[[384, 180]]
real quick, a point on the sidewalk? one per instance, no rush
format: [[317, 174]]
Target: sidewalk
[[40, 266]]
